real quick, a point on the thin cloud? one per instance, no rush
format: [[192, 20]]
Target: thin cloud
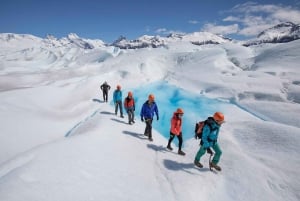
[[249, 19], [193, 22], [255, 18], [223, 30], [166, 31]]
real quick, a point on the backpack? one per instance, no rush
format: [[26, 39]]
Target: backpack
[[199, 128]]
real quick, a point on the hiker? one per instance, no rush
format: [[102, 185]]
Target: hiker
[[129, 106], [176, 122], [147, 114], [209, 139], [117, 97], [105, 88]]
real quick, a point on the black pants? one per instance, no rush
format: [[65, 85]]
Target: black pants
[[105, 95], [179, 139], [148, 129]]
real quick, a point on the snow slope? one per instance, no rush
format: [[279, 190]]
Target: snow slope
[[59, 141]]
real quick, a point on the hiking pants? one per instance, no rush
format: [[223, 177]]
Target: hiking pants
[[105, 95], [130, 113], [119, 104], [148, 129], [179, 137], [217, 156]]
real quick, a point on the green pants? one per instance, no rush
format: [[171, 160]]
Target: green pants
[[217, 156]]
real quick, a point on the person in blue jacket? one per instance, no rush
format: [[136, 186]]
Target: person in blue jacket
[[209, 139], [117, 98], [148, 110]]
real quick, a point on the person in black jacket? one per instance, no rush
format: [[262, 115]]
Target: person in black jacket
[[105, 88]]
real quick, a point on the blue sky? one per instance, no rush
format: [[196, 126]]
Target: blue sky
[[107, 20]]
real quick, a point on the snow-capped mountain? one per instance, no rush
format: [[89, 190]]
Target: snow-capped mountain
[[73, 40], [281, 33], [196, 38]]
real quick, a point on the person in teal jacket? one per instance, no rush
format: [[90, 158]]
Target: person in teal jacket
[[209, 139], [117, 98]]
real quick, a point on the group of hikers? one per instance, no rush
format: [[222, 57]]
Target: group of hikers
[[210, 130]]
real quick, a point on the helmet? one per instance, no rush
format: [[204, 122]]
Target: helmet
[[151, 97], [118, 87], [130, 94], [179, 111], [218, 116]]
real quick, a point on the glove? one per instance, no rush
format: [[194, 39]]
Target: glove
[[157, 118], [209, 151], [142, 119]]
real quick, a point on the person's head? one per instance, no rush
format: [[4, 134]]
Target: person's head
[[179, 112], [105, 82], [130, 94], [118, 87], [151, 98], [219, 117]]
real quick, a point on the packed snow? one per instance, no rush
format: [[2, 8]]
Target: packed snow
[[61, 141]]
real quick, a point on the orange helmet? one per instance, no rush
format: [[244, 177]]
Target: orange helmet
[[179, 111], [118, 87], [130, 94], [218, 116], [151, 97]]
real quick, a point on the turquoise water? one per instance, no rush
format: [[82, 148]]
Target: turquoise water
[[168, 98]]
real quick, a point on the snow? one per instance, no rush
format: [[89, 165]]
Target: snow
[[60, 141]]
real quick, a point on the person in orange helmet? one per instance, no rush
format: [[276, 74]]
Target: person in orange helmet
[[147, 114], [129, 106], [176, 123], [117, 97], [209, 139]]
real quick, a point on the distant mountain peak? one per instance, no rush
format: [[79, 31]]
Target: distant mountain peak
[[280, 33]]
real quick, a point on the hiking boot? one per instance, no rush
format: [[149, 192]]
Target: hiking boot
[[122, 116], [212, 165], [169, 147], [146, 134], [198, 164], [150, 139], [133, 121], [129, 123], [181, 152]]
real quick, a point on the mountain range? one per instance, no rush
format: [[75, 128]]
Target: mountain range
[[281, 33]]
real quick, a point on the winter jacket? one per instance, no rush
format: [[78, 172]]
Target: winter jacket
[[176, 124], [148, 110], [117, 96], [129, 104], [105, 87], [210, 133]]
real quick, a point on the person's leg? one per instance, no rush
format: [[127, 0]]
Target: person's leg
[[218, 153], [200, 153], [121, 108], [179, 142], [170, 141], [116, 107], [149, 126]]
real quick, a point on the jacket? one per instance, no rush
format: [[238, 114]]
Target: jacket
[[105, 87], [176, 124], [129, 104], [117, 96], [148, 110], [210, 133]]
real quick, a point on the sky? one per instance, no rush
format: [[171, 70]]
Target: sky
[[107, 20], [60, 142]]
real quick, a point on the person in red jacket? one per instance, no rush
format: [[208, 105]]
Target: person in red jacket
[[129, 106], [175, 130]]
